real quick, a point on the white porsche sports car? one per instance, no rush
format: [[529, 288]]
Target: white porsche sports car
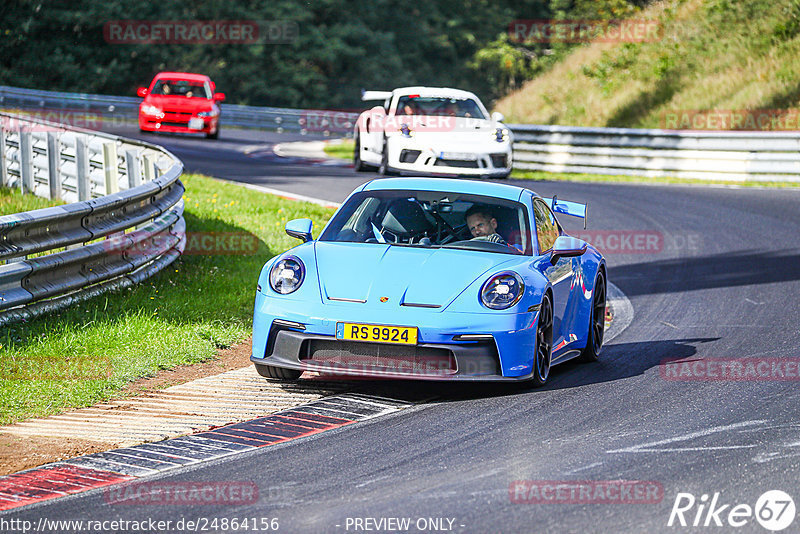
[[431, 130]]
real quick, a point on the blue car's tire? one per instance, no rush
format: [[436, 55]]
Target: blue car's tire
[[597, 321], [270, 371], [544, 343]]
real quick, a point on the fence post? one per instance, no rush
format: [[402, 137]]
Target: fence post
[[82, 169], [53, 165], [150, 170], [4, 182], [25, 164], [132, 164], [110, 167]]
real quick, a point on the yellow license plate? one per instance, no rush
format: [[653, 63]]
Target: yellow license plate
[[376, 333]]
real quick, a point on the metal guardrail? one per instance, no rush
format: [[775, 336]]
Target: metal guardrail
[[124, 224], [97, 109], [714, 155]]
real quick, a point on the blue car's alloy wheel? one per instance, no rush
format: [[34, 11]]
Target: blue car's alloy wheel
[[544, 342], [597, 321]]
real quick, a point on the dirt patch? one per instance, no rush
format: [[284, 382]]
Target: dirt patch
[[234, 357], [17, 453]]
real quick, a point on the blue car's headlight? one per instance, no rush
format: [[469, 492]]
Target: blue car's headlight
[[287, 274], [502, 290]]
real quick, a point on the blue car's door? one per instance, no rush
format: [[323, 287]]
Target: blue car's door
[[561, 274]]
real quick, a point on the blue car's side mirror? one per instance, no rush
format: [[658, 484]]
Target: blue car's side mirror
[[300, 228], [566, 247]]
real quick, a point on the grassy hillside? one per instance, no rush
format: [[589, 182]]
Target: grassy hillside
[[714, 54]]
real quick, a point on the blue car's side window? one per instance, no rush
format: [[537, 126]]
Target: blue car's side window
[[547, 229]]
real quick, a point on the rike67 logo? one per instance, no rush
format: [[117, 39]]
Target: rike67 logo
[[774, 510]]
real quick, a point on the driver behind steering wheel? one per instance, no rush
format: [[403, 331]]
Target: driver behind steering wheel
[[483, 225]]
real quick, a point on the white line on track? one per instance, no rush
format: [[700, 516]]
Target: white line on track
[[649, 447]]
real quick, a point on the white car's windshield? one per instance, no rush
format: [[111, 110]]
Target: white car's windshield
[[439, 106], [432, 219]]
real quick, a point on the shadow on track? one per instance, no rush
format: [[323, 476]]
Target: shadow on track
[[744, 268], [617, 362]]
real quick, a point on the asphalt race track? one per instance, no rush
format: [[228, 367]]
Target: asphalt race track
[[717, 279]]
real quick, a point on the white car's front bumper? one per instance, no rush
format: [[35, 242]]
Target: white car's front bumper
[[409, 156]]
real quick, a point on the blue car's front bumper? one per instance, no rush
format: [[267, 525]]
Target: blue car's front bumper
[[311, 343]]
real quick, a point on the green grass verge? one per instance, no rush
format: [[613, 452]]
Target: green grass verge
[[13, 201], [578, 177], [87, 353], [343, 150], [709, 55]]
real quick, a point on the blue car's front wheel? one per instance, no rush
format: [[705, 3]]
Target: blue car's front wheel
[[544, 342]]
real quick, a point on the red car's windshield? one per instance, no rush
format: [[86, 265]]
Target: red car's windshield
[[184, 88]]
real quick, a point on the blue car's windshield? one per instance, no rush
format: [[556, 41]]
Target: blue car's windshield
[[432, 219]]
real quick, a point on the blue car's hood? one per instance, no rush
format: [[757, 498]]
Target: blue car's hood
[[405, 275]]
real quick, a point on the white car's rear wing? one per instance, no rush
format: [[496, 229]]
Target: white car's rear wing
[[375, 95]]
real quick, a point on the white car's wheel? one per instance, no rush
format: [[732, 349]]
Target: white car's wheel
[[383, 170], [358, 164]]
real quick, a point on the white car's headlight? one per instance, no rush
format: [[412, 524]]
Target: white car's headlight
[[147, 109], [501, 134], [502, 290], [287, 274]]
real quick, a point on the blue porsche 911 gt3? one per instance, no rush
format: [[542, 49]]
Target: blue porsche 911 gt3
[[430, 278]]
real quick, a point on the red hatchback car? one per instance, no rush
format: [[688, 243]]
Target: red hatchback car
[[180, 102]]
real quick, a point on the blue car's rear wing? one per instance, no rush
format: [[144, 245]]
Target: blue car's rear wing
[[575, 209]]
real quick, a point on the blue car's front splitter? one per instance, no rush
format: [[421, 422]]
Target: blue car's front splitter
[[503, 350]]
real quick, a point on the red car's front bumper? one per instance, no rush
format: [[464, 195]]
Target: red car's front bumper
[[178, 123]]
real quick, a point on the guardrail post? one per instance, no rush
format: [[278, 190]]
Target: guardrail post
[[3, 166], [132, 164], [53, 165], [25, 164], [82, 169], [110, 167], [150, 169]]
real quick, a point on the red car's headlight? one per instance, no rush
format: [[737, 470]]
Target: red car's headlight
[[147, 109]]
